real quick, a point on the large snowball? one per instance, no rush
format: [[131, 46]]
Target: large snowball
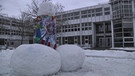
[[72, 57], [35, 60], [46, 8]]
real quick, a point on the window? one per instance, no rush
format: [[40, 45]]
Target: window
[[129, 44], [90, 28], [118, 44], [128, 34], [128, 39], [118, 35], [93, 15], [84, 16], [107, 13], [89, 15], [98, 9], [84, 12], [12, 43], [76, 13], [77, 17], [118, 40], [89, 11], [107, 8], [98, 14], [118, 30], [128, 29]]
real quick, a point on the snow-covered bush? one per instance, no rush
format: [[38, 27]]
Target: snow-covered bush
[[35, 60], [72, 57]]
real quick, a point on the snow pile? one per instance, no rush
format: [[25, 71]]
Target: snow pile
[[110, 53], [126, 48], [72, 57], [35, 60], [5, 56], [46, 8]]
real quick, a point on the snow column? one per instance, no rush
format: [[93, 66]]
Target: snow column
[[46, 22]]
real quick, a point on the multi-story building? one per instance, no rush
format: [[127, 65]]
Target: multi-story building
[[12, 31], [123, 22], [104, 25], [87, 27]]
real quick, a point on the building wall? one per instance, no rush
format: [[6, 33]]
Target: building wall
[[86, 27], [10, 33], [103, 25], [122, 15]]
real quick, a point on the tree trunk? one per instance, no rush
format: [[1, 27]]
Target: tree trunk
[[22, 37]]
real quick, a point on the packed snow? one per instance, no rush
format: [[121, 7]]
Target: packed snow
[[46, 8], [35, 60], [97, 63], [72, 57], [110, 53]]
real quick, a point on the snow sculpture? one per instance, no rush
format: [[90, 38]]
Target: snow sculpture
[[72, 57], [46, 22], [35, 60], [46, 8]]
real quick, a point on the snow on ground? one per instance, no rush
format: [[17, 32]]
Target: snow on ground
[[110, 53], [97, 63], [124, 48], [104, 67], [5, 56]]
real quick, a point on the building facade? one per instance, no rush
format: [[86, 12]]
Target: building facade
[[11, 31], [104, 25], [123, 22]]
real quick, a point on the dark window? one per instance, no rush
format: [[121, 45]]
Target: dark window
[[118, 30], [128, 29], [117, 25], [90, 28], [84, 16], [77, 17], [98, 9], [76, 13], [107, 9], [89, 11], [86, 28], [84, 12], [107, 13], [98, 14], [129, 44], [1, 41], [128, 34], [118, 40], [93, 15], [118, 35], [89, 15], [118, 44], [129, 39]]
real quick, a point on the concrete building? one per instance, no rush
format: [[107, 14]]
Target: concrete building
[[11, 32], [123, 23], [103, 25]]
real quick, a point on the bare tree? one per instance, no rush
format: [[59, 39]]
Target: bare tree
[[25, 25], [59, 8], [1, 8], [34, 7]]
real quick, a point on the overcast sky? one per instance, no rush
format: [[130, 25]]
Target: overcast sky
[[13, 7]]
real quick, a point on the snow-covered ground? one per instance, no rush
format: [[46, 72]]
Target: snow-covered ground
[[97, 63]]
